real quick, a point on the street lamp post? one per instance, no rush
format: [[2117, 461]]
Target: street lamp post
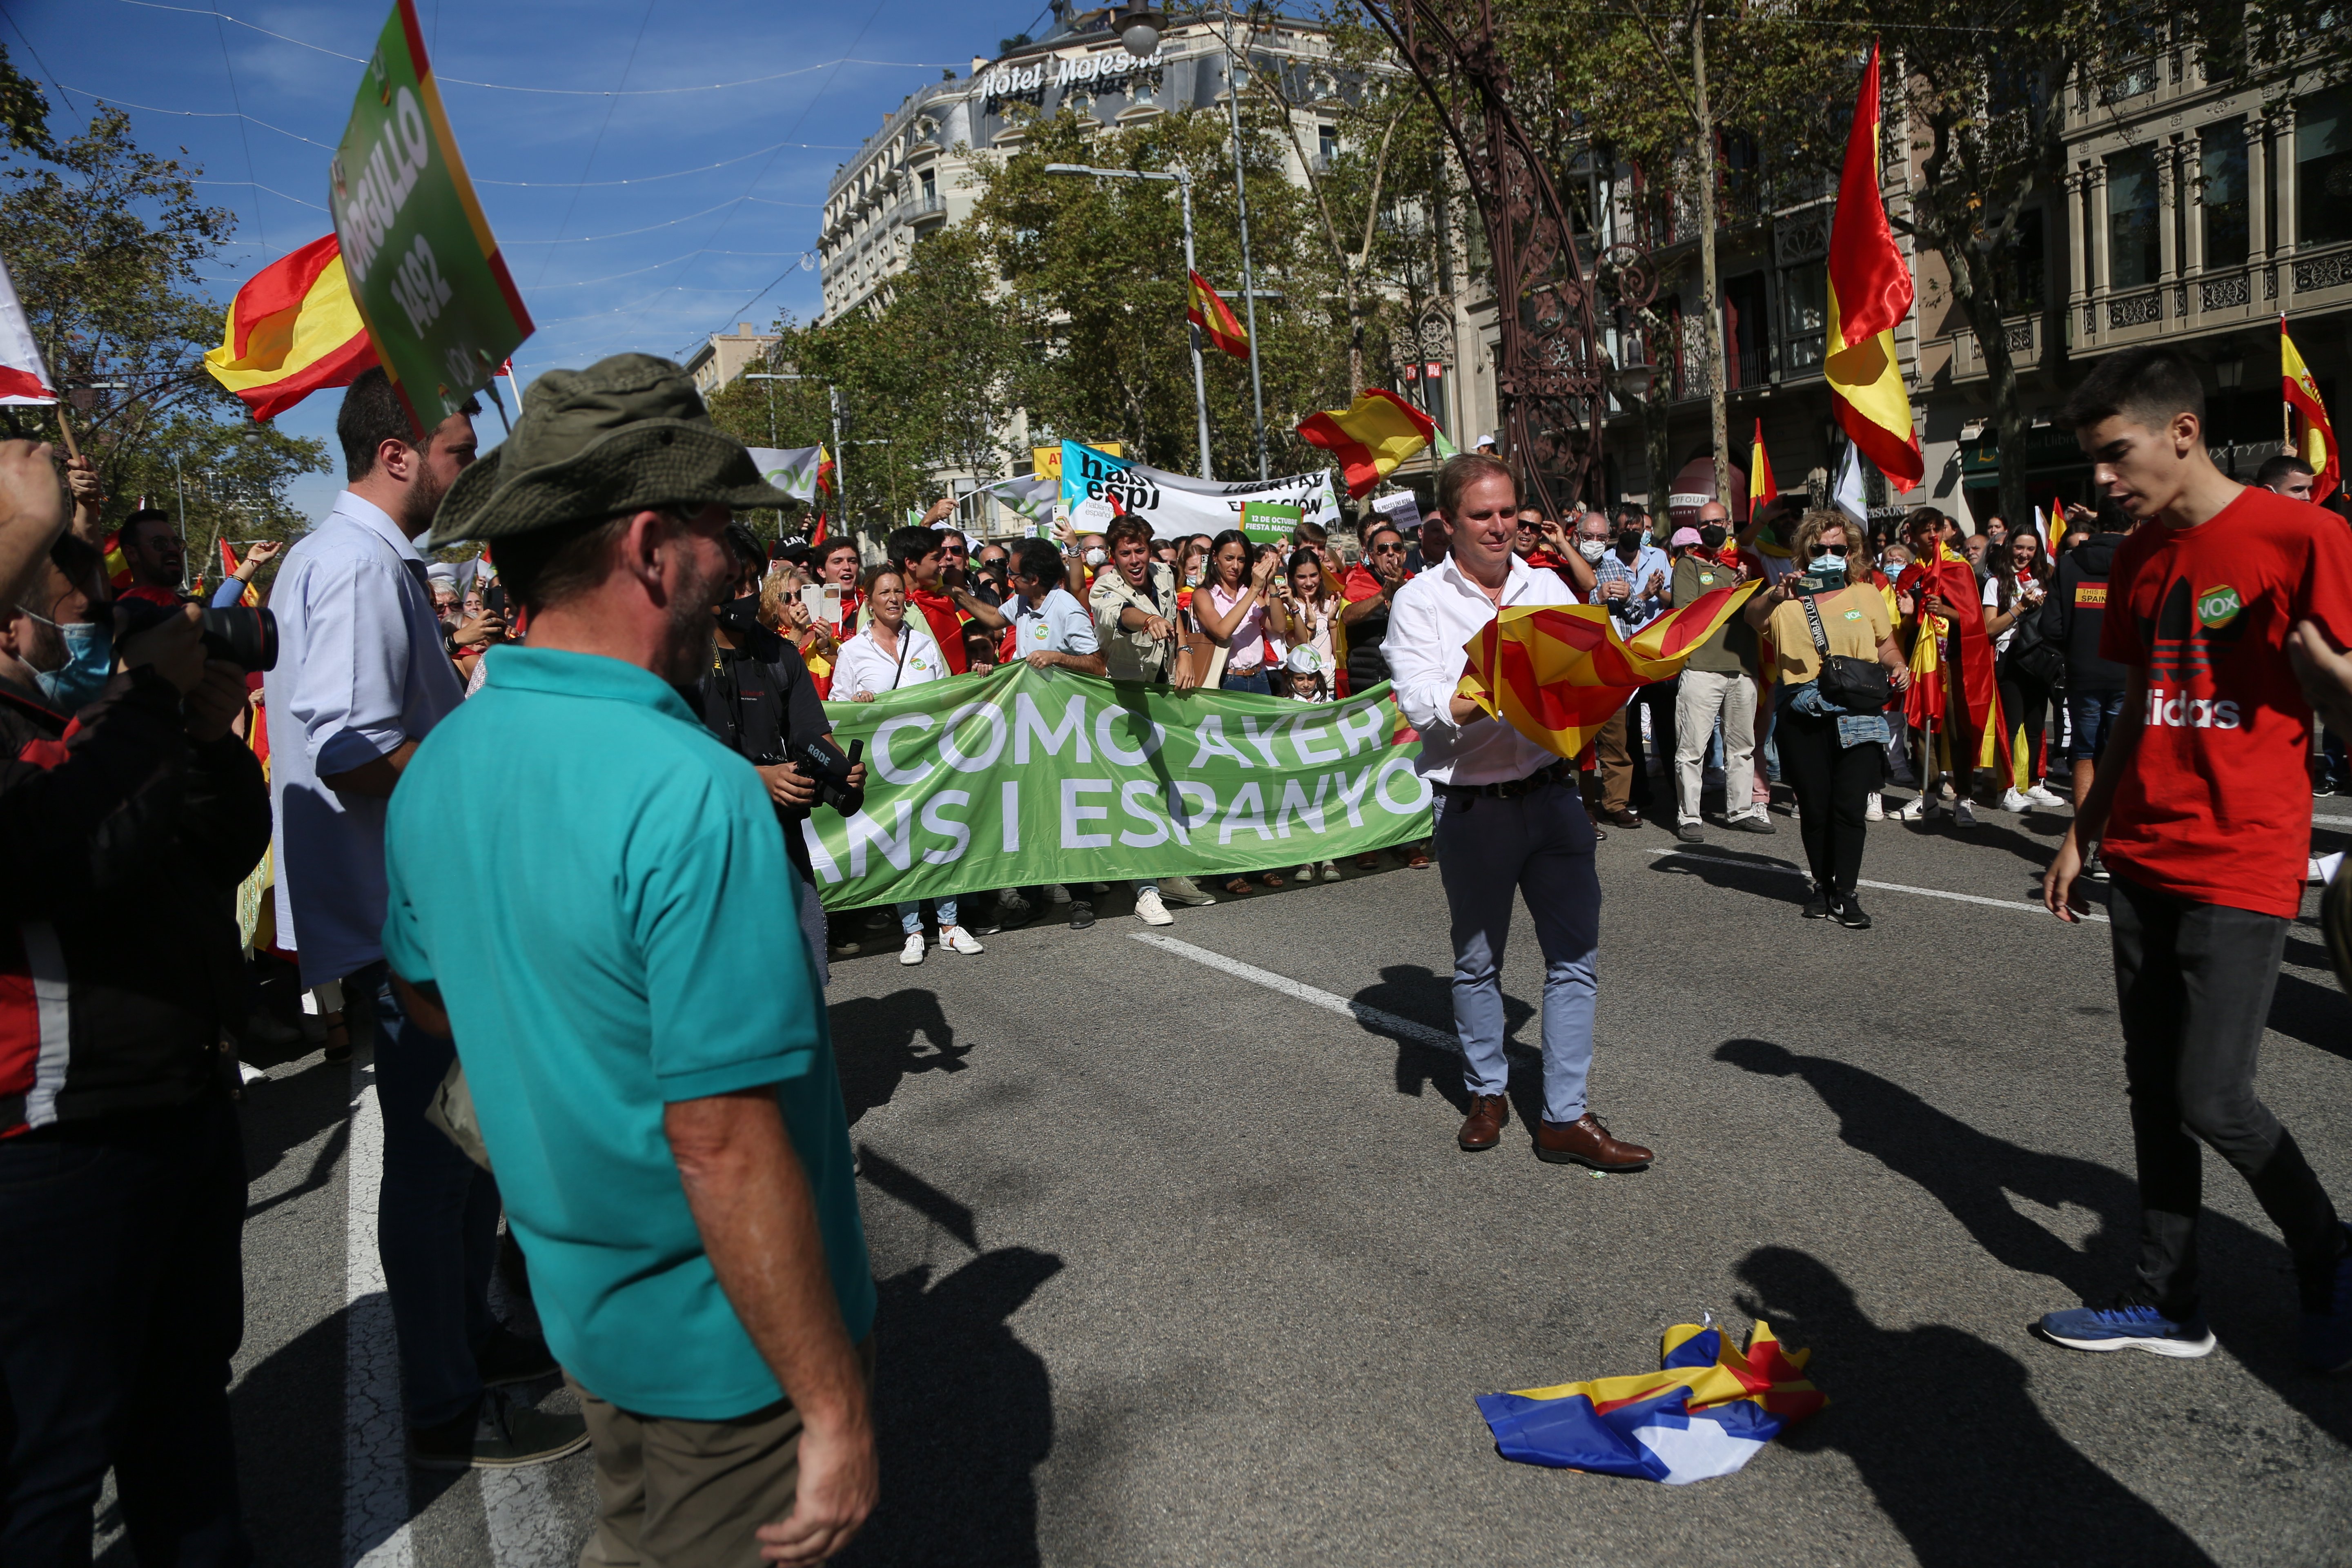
[[1249, 285], [1183, 183]]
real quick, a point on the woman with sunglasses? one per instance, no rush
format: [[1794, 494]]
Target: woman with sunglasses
[[1831, 752]]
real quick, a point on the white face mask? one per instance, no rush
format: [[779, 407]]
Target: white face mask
[[1593, 549], [1096, 558]]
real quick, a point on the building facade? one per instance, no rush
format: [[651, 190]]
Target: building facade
[[726, 356]]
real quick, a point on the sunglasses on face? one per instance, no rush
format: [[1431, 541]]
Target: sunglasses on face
[[1388, 549], [1817, 549]]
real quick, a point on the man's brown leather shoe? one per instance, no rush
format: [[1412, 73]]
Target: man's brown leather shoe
[[1484, 1129], [1585, 1142]]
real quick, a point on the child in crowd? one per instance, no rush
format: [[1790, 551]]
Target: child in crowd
[[1307, 678]]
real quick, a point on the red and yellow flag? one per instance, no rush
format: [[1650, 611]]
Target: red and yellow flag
[[1762, 489], [2309, 435], [292, 331], [1951, 576], [1869, 292], [1215, 318], [1370, 437], [1557, 673], [251, 595]]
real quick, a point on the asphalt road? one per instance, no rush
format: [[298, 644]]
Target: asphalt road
[[1180, 1266]]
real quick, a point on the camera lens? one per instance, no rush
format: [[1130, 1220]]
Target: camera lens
[[245, 635]]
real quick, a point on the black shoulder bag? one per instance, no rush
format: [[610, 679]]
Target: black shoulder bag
[[1856, 685]]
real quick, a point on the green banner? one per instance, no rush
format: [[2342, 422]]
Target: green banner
[[1269, 522], [424, 269], [1030, 776]]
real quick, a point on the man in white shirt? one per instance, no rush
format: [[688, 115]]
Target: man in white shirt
[[361, 676], [1508, 819]]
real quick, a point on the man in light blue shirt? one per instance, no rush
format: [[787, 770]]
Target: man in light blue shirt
[[1633, 579], [361, 678]]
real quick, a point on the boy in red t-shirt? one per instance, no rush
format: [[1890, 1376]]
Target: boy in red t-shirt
[[2201, 807]]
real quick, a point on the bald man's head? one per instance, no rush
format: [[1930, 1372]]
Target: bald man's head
[[1713, 511]]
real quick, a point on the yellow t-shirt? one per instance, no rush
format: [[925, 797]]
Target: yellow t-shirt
[[1853, 619]]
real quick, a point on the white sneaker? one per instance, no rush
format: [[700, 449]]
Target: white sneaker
[[1918, 810], [955, 938], [2042, 795], [1305, 873], [1873, 807], [1151, 911], [1964, 812], [2016, 800], [912, 953], [1330, 870]]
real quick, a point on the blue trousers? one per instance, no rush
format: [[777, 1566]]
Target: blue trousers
[[436, 1224], [1488, 851]]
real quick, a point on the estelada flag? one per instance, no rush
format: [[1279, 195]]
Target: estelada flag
[[1370, 437], [1706, 1412], [2309, 435], [1557, 673], [1214, 317], [23, 379], [1869, 292], [1762, 489], [292, 331]]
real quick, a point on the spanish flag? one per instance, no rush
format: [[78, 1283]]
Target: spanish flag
[[1762, 489], [291, 332], [251, 596], [1370, 437], [1557, 673], [1215, 318], [1869, 292], [2309, 435]]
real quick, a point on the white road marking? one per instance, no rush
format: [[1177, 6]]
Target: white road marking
[[376, 1460], [1372, 1017], [2331, 821], [2020, 905], [526, 1529]]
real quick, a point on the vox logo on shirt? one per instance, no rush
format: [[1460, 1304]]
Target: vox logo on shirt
[[2193, 628]]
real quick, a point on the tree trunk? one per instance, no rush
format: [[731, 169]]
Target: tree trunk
[[1977, 289]]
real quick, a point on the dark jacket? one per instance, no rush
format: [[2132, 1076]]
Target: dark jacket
[[761, 701], [2078, 608], [122, 846]]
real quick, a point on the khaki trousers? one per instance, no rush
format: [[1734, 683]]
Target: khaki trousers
[[1616, 765], [1705, 695], [672, 1493]]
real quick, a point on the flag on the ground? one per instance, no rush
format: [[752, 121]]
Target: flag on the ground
[[1869, 292], [1557, 673], [1209, 313], [23, 379], [1762, 489], [1370, 437], [2309, 435], [251, 595], [292, 331], [1706, 1412]]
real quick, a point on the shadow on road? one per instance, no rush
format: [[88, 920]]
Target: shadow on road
[[1765, 875], [2314, 1014], [2250, 1298], [1412, 991], [878, 1040], [1947, 1438], [963, 1415]]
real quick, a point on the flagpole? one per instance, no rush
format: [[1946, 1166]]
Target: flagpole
[[1199, 380], [1249, 283]]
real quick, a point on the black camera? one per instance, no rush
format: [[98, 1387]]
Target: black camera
[[829, 765], [245, 635]]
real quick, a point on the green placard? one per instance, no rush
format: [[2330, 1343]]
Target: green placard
[[1269, 522], [423, 267]]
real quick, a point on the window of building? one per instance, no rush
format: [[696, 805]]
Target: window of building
[[2132, 253], [1743, 330], [930, 187], [2026, 263], [2222, 192], [1327, 143], [2323, 166], [1804, 316]]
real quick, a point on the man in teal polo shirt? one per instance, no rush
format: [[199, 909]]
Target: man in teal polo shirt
[[591, 892]]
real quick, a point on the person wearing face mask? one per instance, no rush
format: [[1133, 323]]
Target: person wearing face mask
[[1827, 630], [129, 813], [1645, 572], [1717, 684]]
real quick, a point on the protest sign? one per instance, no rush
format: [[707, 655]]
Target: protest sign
[[792, 469], [1033, 776], [1401, 512], [1045, 462], [423, 266], [1268, 522], [1177, 505]]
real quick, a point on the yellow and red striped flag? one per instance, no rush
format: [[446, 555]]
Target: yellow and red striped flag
[[2310, 435], [251, 595], [1557, 673], [1370, 437], [1215, 318], [1763, 487], [1869, 292], [292, 331]]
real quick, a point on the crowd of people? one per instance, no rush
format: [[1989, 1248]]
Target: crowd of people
[[611, 727]]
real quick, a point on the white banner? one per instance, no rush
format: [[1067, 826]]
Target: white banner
[[1178, 505], [792, 469]]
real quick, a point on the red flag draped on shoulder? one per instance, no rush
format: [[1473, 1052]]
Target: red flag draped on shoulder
[[1951, 576], [2310, 435], [1869, 292], [1209, 313], [292, 331], [1557, 673]]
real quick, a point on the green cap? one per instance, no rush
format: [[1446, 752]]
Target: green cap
[[628, 434]]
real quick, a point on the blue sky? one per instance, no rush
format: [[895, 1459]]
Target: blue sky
[[654, 265]]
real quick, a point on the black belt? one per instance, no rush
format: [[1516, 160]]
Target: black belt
[[1507, 789]]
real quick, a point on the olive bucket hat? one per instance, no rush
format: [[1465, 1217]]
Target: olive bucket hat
[[628, 434]]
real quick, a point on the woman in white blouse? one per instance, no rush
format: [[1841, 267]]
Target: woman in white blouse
[[894, 651]]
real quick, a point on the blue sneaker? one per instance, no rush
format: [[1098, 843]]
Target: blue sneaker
[[2327, 1336], [2127, 1326]]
